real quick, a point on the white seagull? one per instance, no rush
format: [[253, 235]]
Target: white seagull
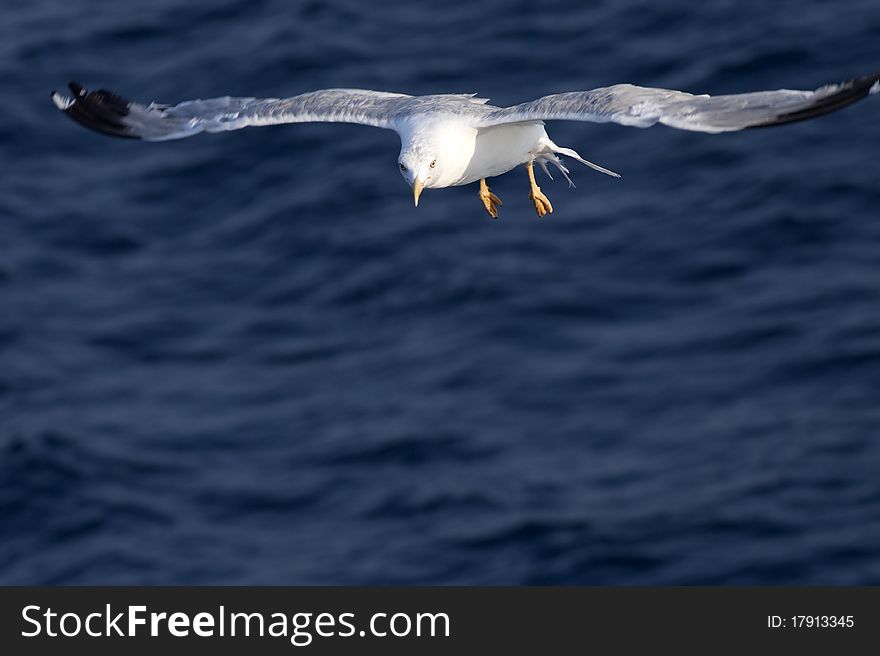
[[455, 139]]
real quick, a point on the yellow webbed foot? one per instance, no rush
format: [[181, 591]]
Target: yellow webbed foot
[[490, 201], [542, 203]]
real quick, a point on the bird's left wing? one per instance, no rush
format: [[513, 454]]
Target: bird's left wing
[[644, 106], [111, 114]]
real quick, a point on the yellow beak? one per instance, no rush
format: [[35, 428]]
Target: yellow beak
[[417, 190]]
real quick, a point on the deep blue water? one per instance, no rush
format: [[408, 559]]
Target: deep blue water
[[246, 358]]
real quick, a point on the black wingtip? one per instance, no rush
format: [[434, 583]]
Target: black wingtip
[[846, 94], [101, 110]]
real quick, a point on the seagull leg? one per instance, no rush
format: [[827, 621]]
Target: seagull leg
[[489, 200], [542, 203]]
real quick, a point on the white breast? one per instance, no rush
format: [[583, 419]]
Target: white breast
[[501, 148]]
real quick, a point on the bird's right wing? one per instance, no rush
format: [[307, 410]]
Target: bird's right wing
[[111, 114]]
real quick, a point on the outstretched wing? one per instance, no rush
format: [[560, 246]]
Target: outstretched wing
[[642, 106], [109, 113]]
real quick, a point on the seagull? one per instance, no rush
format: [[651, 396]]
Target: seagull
[[457, 139]]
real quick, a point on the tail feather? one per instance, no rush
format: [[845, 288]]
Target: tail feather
[[543, 164], [555, 161], [568, 152]]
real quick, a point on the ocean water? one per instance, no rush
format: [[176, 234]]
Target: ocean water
[[246, 358]]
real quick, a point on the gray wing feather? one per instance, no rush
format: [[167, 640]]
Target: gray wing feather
[[644, 106], [111, 114]]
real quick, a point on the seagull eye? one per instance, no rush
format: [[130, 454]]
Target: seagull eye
[[403, 167], [434, 163]]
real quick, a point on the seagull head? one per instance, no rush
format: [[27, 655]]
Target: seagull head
[[418, 168]]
